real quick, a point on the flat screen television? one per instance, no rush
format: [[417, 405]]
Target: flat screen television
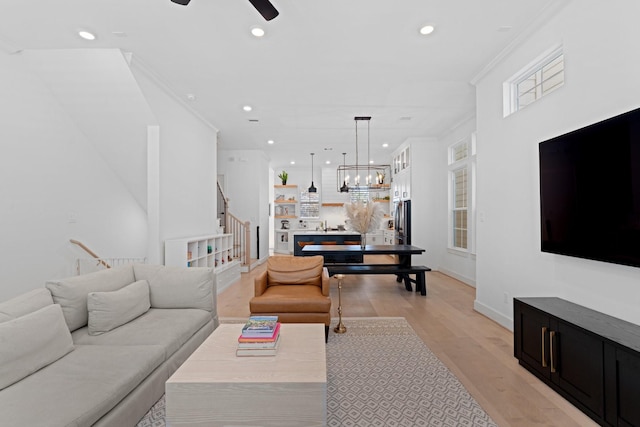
[[590, 191]]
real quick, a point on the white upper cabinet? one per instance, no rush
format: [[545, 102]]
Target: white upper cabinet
[[401, 185]]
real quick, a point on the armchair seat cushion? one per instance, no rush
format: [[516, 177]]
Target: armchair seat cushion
[[291, 299]]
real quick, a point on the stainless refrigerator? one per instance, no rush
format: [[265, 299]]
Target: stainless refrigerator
[[402, 222]]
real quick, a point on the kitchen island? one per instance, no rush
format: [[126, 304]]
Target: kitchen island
[[303, 238]]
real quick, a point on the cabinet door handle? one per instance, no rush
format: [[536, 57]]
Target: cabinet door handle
[[544, 353], [552, 338]]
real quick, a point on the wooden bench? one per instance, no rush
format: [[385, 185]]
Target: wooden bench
[[402, 273]]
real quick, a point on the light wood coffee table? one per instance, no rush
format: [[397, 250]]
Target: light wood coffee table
[[214, 387]]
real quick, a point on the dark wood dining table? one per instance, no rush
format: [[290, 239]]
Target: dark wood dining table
[[337, 260]]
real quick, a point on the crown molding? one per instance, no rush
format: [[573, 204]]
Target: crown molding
[[548, 12], [140, 65]]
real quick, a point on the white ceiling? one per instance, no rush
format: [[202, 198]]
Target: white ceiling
[[321, 63]]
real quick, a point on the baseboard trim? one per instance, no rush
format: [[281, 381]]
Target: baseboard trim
[[497, 317], [466, 280]]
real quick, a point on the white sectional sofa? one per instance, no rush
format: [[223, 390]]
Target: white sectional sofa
[[97, 349]]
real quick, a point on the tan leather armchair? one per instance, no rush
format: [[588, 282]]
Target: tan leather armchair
[[296, 289]]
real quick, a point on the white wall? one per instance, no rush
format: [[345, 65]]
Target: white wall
[[187, 163], [457, 264], [51, 175], [602, 66], [428, 188], [246, 181], [59, 179]]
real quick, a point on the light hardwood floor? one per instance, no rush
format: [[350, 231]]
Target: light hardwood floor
[[476, 349]]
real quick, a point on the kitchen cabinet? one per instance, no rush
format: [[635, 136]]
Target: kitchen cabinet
[[389, 237], [375, 238], [401, 183], [591, 359], [402, 186], [401, 159], [281, 241]]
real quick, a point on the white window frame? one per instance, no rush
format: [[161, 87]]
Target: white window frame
[[468, 163], [510, 87]]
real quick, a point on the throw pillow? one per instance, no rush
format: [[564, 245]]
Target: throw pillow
[[71, 293], [108, 310], [31, 342], [26, 303], [179, 287]]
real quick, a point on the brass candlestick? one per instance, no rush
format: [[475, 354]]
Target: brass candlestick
[[340, 329]]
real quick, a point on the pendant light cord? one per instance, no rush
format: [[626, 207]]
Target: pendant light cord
[[357, 164], [368, 155]]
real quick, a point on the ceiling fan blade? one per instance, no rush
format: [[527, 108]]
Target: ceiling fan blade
[[265, 8], [182, 2]]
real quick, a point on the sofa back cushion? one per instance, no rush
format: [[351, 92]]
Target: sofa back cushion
[[71, 293], [31, 342], [24, 304], [295, 270], [108, 310], [178, 287]]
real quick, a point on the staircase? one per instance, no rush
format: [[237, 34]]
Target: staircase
[[241, 231]]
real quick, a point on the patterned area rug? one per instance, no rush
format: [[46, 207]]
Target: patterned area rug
[[380, 373]]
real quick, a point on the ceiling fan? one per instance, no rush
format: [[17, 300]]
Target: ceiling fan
[[265, 7]]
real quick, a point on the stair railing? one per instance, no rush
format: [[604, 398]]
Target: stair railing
[[241, 230], [96, 263], [90, 252]]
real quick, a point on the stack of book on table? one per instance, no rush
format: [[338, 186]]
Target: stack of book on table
[[260, 337]]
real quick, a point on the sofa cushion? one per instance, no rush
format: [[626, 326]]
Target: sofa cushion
[[71, 293], [295, 270], [108, 310], [32, 342], [291, 299], [80, 388], [24, 304], [169, 328], [178, 287]]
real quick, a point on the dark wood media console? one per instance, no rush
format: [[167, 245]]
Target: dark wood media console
[[590, 358]]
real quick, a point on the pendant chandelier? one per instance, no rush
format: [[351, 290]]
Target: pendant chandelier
[[313, 188], [376, 176]]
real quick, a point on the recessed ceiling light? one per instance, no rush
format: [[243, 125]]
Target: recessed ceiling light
[[293, 162], [427, 29], [257, 32], [328, 162], [247, 108], [371, 161], [385, 145], [191, 97], [86, 35], [270, 142]]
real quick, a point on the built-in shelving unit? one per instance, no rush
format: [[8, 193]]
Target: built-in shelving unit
[[215, 251], [286, 201], [286, 205]]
